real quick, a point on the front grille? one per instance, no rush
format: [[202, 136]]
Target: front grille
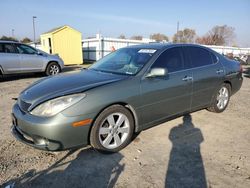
[[23, 105]]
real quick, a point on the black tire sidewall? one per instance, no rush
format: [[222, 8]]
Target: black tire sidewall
[[94, 135]]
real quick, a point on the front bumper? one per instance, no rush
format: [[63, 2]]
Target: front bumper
[[49, 133]]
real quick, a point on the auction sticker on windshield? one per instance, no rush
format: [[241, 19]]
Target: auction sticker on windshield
[[147, 51]]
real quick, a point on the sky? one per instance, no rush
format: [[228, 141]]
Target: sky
[[112, 18]]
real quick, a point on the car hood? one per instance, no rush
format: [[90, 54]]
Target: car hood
[[66, 84]]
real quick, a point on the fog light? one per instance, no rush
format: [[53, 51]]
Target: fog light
[[41, 141]]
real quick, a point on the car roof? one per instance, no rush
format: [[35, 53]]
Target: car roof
[[9, 41], [160, 46]]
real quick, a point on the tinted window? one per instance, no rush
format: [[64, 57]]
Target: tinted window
[[1, 48], [170, 59], [214, 58], [199, 56], [9, 48], [23, 49]]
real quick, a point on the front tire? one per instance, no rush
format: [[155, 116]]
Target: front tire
[[222, 99], [52, 69], [112, 130]]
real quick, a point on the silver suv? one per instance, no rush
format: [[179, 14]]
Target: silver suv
[[20, 58]]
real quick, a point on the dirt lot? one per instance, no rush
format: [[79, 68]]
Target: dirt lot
[[201, 150]]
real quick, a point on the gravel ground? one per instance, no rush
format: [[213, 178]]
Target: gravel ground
[[201, 150]]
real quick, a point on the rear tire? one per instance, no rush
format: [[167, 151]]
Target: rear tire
[[222, 99], [112, 130], [52, 69], [1, 75]]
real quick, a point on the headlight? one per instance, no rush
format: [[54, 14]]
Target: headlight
[[54, 106]]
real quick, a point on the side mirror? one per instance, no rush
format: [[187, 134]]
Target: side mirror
[[39, 53], [157, 72]]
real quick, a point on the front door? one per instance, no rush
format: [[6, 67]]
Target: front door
[[30, 61], [168, 95]]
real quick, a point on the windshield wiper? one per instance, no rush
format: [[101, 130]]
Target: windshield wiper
[[111, 72]]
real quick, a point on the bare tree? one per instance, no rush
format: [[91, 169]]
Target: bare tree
[[207, 40], [137, 37], [158, 37], [185, 36], [122, 36], [218, 35], [8, 38], [26, 40]]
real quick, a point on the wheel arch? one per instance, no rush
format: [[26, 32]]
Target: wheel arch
[[125, 105], [229, 83], [53, 61], [215, 92]]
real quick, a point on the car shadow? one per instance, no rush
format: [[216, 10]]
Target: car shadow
[[185, 167], [89, 169], [13, 77], [7, 78]]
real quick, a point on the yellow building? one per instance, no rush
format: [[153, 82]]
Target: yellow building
[[64, 41]]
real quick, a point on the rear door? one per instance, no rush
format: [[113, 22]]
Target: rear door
[[9, 58], [169, 95], [207, 74], [30, 61]]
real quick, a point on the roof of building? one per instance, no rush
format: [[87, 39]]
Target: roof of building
[[56, 29]]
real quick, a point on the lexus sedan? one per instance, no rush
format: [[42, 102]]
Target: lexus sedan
[[17, 58], [129, 90]]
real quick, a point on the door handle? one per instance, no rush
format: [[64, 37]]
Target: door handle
[[219, 71], [187, 78]]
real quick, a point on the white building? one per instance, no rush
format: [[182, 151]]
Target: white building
[[96, 48], [227, 49]]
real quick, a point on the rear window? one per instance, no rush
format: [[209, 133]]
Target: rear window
[[9, 48], [199, 56], [214, 58]]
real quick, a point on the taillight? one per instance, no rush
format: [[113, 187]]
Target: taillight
[[241, 69]]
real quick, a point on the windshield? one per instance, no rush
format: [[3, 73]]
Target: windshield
[[124, 61]]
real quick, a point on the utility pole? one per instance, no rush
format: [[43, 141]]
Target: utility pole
[[177, 32], [12, 32], [34, 30]]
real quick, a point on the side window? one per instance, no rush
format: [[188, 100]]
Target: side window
[[171, 59], [214, 58], [199, 56], [23, 49], [9, 48], [1, 48]]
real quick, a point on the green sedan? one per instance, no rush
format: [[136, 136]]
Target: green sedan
[[129, 90]]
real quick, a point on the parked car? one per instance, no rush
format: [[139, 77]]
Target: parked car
[[129, 90], [242, 59], [20, 58]]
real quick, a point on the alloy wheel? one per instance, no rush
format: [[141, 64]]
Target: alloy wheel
[[114, 130], [54, 69], [222, 98]]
